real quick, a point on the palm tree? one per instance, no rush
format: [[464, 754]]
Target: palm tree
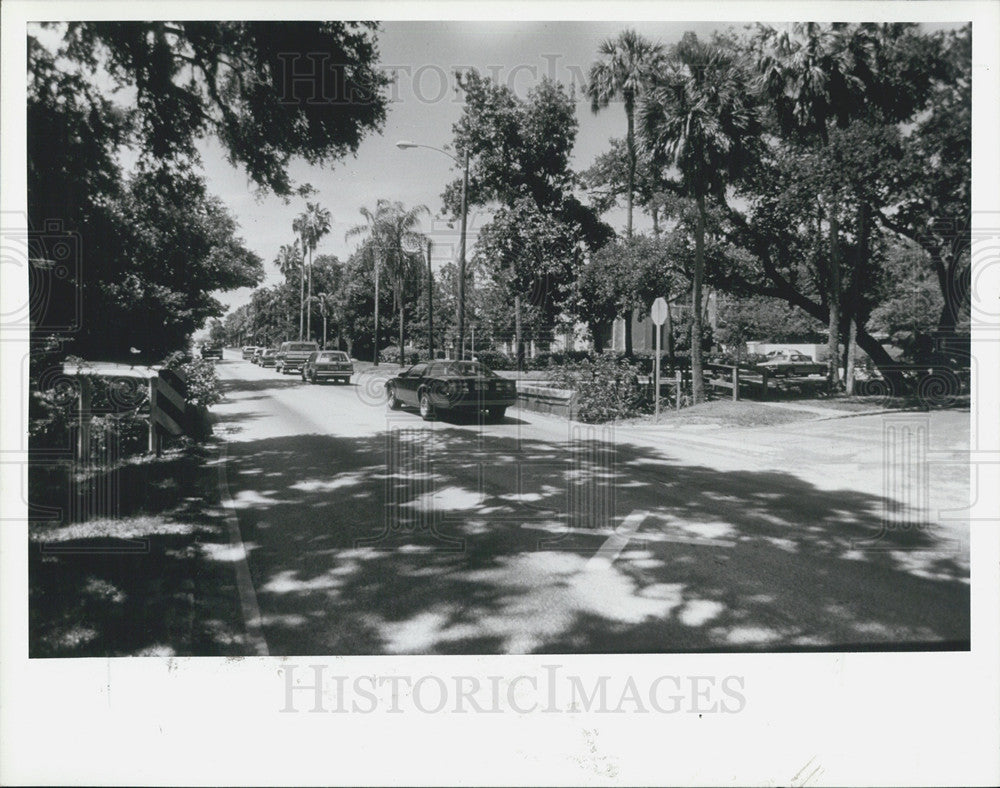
[[631, 61], [311, 225], [391, 235], [289, 262], [404, 260], [700, 118], [372, 229], [324, 300]]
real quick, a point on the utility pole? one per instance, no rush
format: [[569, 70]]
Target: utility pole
[[460, 317], [430, 303]]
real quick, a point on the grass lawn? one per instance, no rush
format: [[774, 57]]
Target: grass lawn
[[857, 404], [726, 413], [143, 581]]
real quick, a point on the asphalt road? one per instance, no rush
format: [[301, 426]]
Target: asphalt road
[[374, 532]]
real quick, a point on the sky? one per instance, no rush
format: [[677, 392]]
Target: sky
[[423, 107]]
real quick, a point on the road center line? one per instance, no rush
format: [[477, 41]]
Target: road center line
[[614, 544]]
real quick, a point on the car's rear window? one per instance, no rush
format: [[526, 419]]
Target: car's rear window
[[298, 346], [332, 356]]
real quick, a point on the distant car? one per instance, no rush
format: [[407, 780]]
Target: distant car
[[292, 355], [248, 351], [788, 362], [267, 358], [451, 385], [255, 358], [328, 365], [209, 350]]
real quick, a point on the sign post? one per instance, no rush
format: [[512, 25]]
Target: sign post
[[658, 313]]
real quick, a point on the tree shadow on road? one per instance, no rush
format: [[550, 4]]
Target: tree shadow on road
[[437, 539]]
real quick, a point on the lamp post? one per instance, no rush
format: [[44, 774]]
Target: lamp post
[[464, 164], [430, 303]]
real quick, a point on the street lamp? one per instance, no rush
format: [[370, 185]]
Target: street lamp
[[464, 164]]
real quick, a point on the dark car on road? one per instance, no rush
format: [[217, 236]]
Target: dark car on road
[[328, 365], [292, 355], [267, 357], [451, 386], [211, 350]]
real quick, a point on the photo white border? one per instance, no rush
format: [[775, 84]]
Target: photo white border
[[839, 718]]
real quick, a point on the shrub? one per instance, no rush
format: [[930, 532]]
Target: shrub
[[202, 381], [496, 360], [644, 361], [390, 355], [607, 388], [545, 361], [120, 405]]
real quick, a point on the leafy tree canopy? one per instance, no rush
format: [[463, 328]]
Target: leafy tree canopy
[[268, 91]]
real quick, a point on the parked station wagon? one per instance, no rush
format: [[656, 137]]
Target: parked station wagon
[[328, 365], [451, 385]]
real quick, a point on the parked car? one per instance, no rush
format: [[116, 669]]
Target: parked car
[[257, 354], [248, 351], [267, 358], [451, 385], [211, 350], [326, 365], [292, 355], [788, 362]]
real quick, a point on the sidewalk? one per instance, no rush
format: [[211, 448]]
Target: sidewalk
[[829, 413]]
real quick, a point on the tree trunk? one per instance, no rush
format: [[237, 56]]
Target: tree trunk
[[861, 261], [947, 268], [697, 382], [402, 322], [375, 327], [881, 359], [518, 343], [324, 331], [852, 349], [670, 337], [630, 143], [628, 331], [833, 341], [656, 221], [302, 301], [309, 292]]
